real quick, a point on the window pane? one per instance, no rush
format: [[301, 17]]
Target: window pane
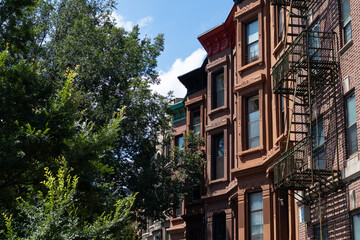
[[318, 133], [256, 215], [253, 104], [218, 91], [218, 157], [253, 123], [356, 227], [350, 110], [252, 32], [178, 211], [254, 142], [253, 52], [254, 116], [196, 121], [219, 167], [220, 98], [256, 201], [256, 222], [280, 27], [347, 33], [351, 134], [219, 79], [319, 159], [179, 142], [345, 8]]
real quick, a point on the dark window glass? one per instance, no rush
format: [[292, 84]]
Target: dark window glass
[[346, 20], [253, 121], [219, 226], [256, 216], [218, 157], [252, 41], [351, 131], [314, 42], [324, 232], [218, 92], [282, 114], [178, 211], [179, 141], [195, 121], [281, 24], [319, 152]]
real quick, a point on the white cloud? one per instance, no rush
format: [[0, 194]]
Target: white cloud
[[144, 21], [169, 80], [128, 25], [120, 22]]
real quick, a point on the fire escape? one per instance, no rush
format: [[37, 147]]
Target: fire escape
[[306, 76]]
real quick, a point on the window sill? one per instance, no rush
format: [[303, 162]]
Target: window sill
[[278, 47], [217, 110], [251, 151], [250, 65], [217, 181], [346, 47]]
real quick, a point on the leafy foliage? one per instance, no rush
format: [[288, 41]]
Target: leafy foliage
[[54, 214]]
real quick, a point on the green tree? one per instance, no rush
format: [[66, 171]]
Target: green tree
[[53, 214], [66, 74]]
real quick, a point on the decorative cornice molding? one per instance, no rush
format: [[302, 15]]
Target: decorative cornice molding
[[217, 124], [249, 82], [194, 100], [246, 8], [217, 62]]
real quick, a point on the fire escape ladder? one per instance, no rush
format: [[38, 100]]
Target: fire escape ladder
[[306, 74]]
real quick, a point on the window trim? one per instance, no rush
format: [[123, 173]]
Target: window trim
[[242, 149], [243, 17], [215, 91], [210, 134], [347, 96], [191, 125], [214, 157], [247, 45], [247, 120], [258, 210], [212, 71], [321, 147], [344, 25]]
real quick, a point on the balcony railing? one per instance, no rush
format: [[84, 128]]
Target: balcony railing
[[302, 4], [317, 47]]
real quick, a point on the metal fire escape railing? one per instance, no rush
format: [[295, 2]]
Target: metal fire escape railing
[[306, 74]]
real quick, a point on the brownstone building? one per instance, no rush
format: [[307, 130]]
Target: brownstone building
[[277, 102]]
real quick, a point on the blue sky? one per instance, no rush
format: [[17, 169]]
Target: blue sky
[[181, 22]]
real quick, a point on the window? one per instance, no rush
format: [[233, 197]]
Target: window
[[219, 226], [324, 232], [178, 210], [256, 216], [218, 157], [252, 41], [282, 114], [253, 121], [280, 24], [319, 152], [179, 141], [195, 121], [218, 91], [356, 226], [314, 42], [351, 131], [346, 20]]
